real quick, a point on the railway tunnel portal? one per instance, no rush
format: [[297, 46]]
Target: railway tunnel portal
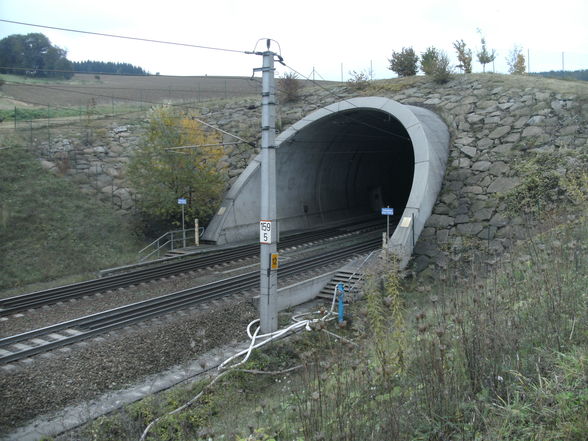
[[342, 162]]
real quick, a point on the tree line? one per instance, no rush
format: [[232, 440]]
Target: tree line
[[109, 67], [581, 75], [33, 55]]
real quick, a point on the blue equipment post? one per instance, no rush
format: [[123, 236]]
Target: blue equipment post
[[340, 295], [182, 202], [387, 212]]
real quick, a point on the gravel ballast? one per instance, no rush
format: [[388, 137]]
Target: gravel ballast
[[79, 307], [84, 371]]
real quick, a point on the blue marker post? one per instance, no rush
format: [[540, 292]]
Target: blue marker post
[[387, 212], [182, 202], [340, 295]]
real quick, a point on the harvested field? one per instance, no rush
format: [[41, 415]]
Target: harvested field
[[105, 89], [121, 89]]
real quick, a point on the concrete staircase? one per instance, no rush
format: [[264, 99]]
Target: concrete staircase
[[351, 280], [177, 252]]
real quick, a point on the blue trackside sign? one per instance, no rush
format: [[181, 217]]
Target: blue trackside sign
[[388, 211], [182, 201]]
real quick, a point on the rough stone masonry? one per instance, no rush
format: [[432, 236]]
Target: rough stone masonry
[[494, 120]]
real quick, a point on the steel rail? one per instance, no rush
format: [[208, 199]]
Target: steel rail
[[85, 327], [15, 304]]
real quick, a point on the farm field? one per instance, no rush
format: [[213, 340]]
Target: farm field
[[105, 89]]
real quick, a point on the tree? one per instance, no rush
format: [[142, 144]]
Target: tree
[[404, 63], [429, 60], [435, 63], [516, 61], [161, 173], [33, 55], [442, 72], [485, 56], [464, 56]]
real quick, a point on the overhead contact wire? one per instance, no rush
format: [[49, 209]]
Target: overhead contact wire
[[125, 37]]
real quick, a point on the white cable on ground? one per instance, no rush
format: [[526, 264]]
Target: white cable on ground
[[266, 338], [224, 367]]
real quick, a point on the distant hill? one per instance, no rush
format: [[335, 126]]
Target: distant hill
[[107, 68], [581, 75]]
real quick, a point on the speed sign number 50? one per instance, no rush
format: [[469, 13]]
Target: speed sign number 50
[[265, 232]]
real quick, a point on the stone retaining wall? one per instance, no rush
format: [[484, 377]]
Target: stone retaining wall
[[494, 121]]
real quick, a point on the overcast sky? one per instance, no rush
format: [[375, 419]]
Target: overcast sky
[[331, 36]]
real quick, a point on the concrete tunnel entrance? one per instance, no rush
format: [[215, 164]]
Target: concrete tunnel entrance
[[343, 162]]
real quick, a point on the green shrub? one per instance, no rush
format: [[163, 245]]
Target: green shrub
[[549, 180], [435, 63], [358, 80], [429, 60], [404, 63], [442, 72]]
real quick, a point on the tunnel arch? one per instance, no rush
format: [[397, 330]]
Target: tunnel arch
[[344, 161]]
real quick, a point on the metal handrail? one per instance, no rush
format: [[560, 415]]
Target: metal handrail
[[359, 279], [180, 236]]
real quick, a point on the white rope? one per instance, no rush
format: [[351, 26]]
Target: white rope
[[254, 344], [266, 338]]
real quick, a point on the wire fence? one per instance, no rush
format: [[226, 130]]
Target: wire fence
[[379, 68]]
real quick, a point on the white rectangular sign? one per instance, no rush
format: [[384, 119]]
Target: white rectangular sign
[[265, 232], [405, 222]]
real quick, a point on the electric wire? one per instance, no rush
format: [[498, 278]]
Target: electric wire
[[78, 72], [200, 120], [343, 114], [107, 87], [125, 37], [67, 89], [348, 117], [188, 105], [70, 89]]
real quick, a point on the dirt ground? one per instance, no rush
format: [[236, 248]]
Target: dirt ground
[[106, 89]]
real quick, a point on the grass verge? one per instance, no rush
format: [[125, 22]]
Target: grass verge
[[48, 229]]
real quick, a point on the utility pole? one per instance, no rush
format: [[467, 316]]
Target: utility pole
[[268, 228]]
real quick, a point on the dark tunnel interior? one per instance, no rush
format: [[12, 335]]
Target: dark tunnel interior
[[345, 165]]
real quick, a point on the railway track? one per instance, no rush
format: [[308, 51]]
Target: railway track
[[23, 302], [27, 344]]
